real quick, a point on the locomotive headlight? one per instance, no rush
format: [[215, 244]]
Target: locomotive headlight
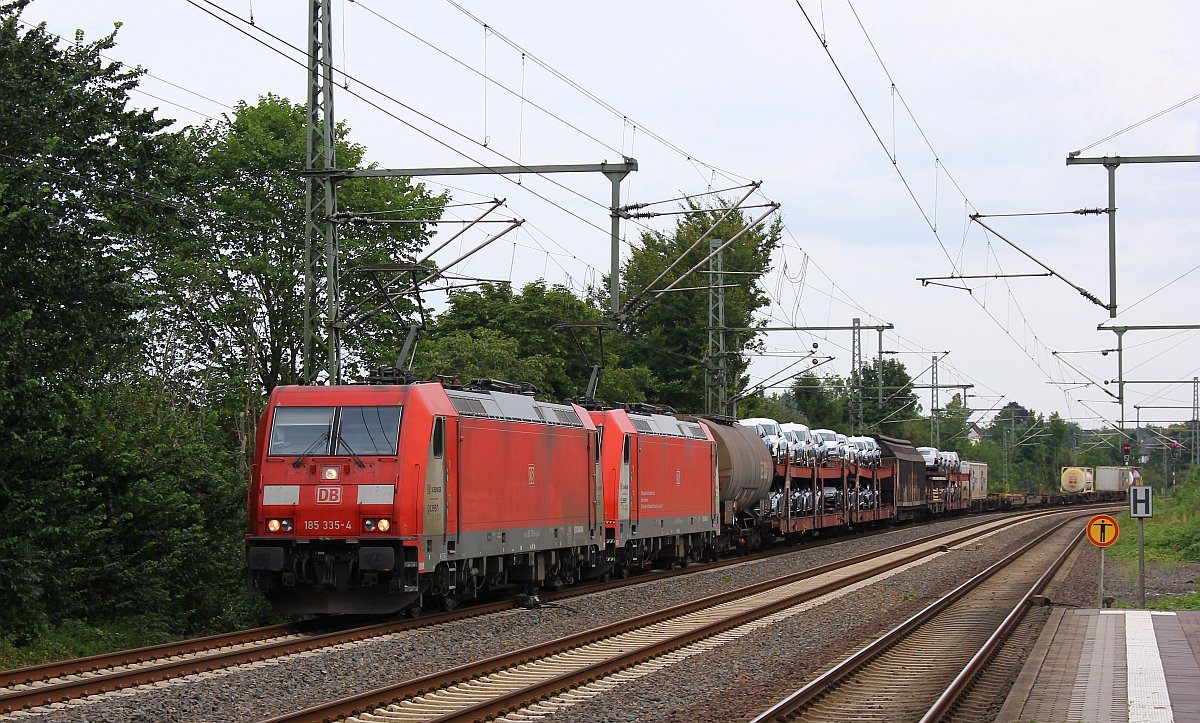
[[384, 525], [369, 525], [286, 525], [274, 525]]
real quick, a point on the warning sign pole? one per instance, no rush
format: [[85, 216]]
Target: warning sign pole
[[1102, 531]]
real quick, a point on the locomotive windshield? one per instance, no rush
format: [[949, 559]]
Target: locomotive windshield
[[369, 430], [311, 431]]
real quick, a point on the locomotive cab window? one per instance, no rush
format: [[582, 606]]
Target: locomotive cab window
[[297, 431], [439, 437], [368, 430]]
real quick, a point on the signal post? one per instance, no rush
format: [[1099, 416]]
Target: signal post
[[1141, 506]]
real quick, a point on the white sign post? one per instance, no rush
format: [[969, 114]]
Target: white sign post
[[1141, 506]]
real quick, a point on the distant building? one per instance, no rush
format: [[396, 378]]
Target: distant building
[[974, 433]]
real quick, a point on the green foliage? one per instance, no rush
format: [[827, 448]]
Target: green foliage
[[954, 421], [230, 288], [494, 332], [1173, 534], [121, 498], [78, 177], [1028, 450], [1190, 601], [821, 401], [670, 336], [899, 401], [520, 327], [770, 406], [132, 507], [76, 639], [485, 353]]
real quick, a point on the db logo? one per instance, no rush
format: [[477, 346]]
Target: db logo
[[329, 495]]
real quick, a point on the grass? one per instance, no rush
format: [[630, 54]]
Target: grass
[[1191, 601], [1173, 534], [1172, 537], [74, 639]]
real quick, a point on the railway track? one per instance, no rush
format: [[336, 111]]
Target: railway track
[[911, 672], [67, 680], [63, 681], [545, 677]]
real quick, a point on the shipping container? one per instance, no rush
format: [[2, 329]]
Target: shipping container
[[1117, 479]]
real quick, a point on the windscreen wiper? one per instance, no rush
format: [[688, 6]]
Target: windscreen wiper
[[311, 448], [342, 443]]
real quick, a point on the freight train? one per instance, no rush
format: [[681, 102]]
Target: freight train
[[393, 498], [1101, 480]]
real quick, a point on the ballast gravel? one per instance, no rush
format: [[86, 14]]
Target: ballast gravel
[[731, 682]]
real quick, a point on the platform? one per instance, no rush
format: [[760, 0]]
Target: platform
[[1105, 666]]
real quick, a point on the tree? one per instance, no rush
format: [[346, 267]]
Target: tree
[[670, 335], [530, 345], [82, 177], [821, 400], [954, 422], [232, 287], [77, 170], [899, 402]]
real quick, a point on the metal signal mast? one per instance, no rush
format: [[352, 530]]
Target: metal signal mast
[[321, 176], [320, 243]]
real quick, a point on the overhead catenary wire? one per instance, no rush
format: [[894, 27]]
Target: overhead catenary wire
[[526, 52], [373, 89], [1126, 129], [982, 304], [595, 98], [786, 303], [488, 80]]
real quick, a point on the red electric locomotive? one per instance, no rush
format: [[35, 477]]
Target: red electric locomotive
[[660, 489], [377, 499]]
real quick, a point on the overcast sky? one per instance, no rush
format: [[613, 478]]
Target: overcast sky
[[710, 95]]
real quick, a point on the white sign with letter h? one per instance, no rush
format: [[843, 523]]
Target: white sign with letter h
[[1141, 501]]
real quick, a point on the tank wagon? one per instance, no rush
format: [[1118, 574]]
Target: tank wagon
[[745, 473], [1076, 480]]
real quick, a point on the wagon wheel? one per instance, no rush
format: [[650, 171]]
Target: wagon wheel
[[448, 601], [413, 610]]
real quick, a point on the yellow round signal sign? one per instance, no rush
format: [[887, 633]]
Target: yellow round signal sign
[[1102, 530]]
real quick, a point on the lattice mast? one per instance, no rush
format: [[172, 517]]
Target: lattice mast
[[320, 243]]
